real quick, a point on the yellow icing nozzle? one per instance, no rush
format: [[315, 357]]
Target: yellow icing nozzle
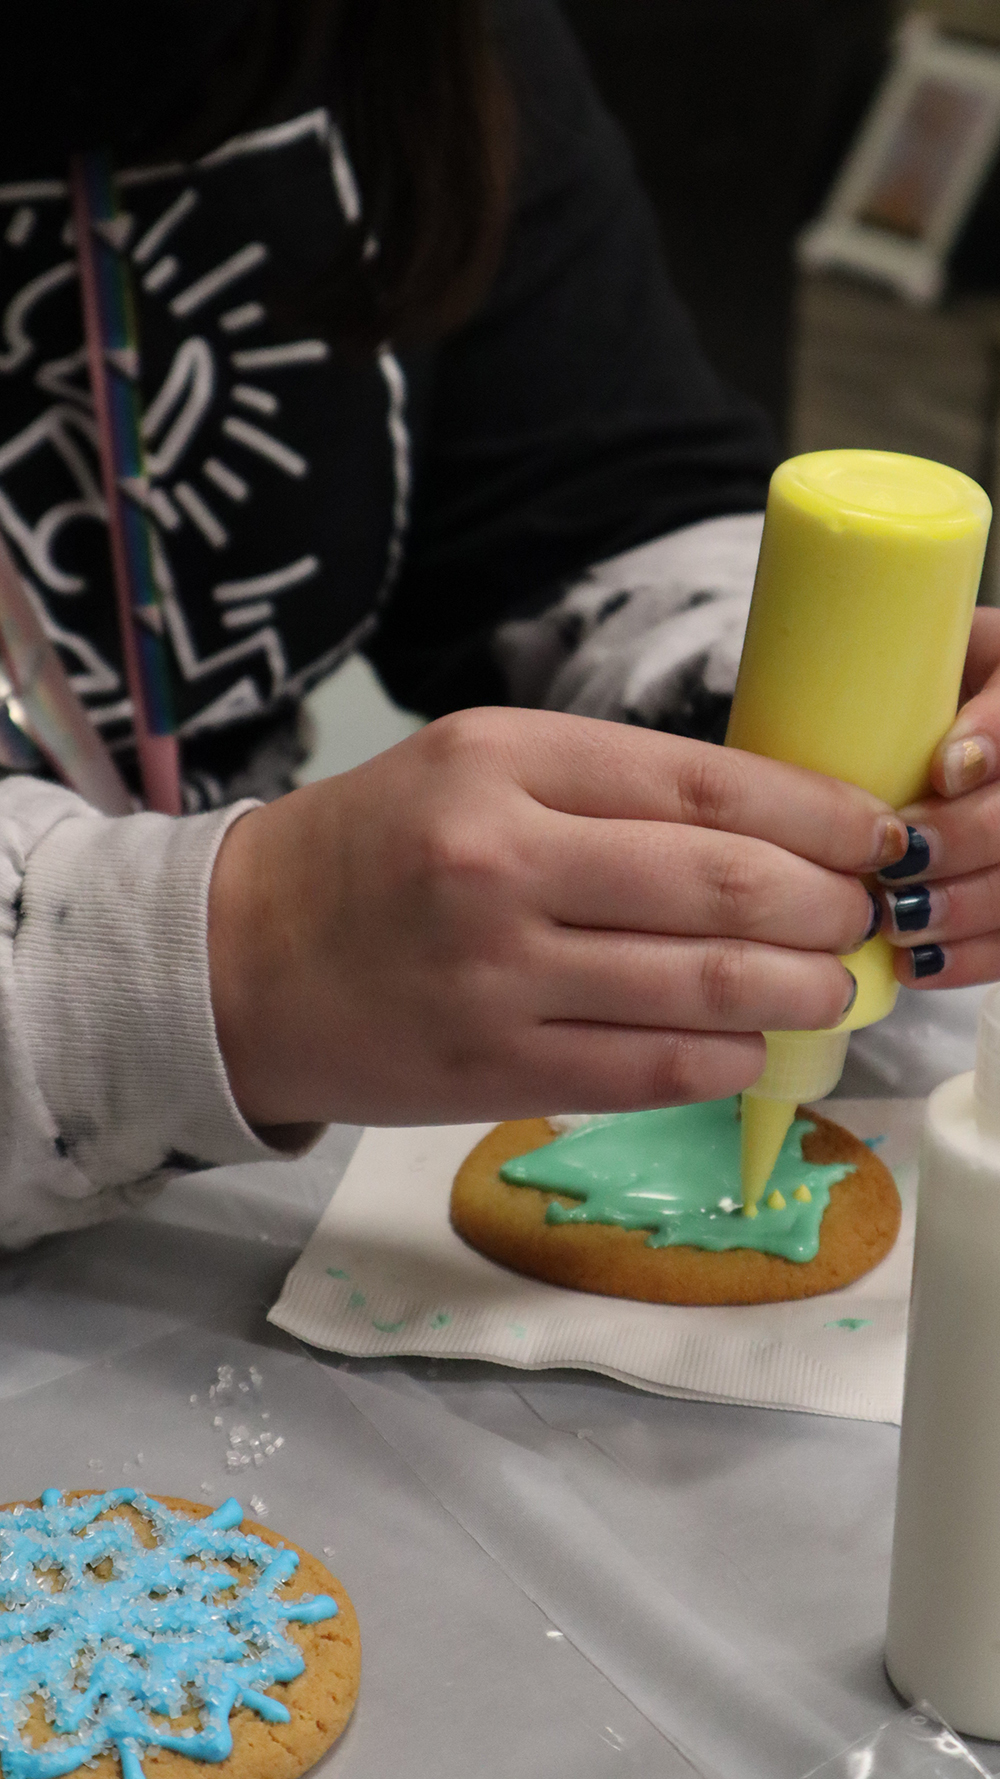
[[800, 1066], [765, 1126]]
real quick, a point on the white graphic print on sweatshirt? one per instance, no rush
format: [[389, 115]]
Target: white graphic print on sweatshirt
[[246, 416]]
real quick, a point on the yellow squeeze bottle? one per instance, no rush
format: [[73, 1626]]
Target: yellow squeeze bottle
[[852, 665]]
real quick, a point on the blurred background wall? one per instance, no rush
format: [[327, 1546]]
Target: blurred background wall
[[867, 369], [738, 112], [972, 18]]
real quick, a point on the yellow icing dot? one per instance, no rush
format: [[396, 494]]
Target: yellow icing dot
[[803, 1194], [775, 1201], [749, 1210]]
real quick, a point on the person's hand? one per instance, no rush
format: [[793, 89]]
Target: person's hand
[[943, 899], [515, 912]]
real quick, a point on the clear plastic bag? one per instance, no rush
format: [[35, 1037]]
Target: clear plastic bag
[[915, 1745]]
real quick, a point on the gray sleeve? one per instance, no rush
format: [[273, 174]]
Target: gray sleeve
[[111, 1079], [651, 637]]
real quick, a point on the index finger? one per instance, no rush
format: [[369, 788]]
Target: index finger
[[582, 766]]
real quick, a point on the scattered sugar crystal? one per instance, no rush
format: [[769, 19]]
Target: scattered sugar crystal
[[265, 1414], [193, 1399], [258, 1459], [245, 1389], [256, 1377], [140, 1458], [238, 1434], [279, 1441], [95, 1464], [208, 1488], [329, 1550], [223, 1382], [258, 1504], [217, 1421]]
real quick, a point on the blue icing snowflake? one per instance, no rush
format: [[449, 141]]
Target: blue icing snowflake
[[171, 1629]]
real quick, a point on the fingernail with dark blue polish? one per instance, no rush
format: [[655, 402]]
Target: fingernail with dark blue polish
[[874, 926], [911, 908], [854, 994], [928, 960], [915, 859]]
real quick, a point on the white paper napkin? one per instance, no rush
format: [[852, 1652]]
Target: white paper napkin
[[386, 1274]]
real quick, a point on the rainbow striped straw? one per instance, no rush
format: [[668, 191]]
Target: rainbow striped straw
[[113, 356]]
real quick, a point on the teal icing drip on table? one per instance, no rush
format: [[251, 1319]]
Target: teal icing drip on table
[[676, 1173], [171, 1630]]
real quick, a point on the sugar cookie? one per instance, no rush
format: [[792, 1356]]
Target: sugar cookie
[[508, 1222], [148, 1623]]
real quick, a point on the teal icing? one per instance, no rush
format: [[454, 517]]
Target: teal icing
[[676, 1173], [171, 1630]]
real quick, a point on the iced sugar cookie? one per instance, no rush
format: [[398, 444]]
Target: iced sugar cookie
[[647, 1205], [147, 1635]]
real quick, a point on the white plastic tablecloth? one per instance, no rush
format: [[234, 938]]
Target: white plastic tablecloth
[[557, 1576]]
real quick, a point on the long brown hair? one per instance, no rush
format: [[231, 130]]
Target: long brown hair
[[419, 93], [427, 121]]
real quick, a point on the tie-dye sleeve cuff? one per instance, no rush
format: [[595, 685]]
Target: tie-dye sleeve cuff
[[651, 637]]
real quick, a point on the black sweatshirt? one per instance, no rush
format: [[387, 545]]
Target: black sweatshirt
[[308, 503]]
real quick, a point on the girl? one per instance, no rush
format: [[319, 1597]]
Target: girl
[[413, 381]]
